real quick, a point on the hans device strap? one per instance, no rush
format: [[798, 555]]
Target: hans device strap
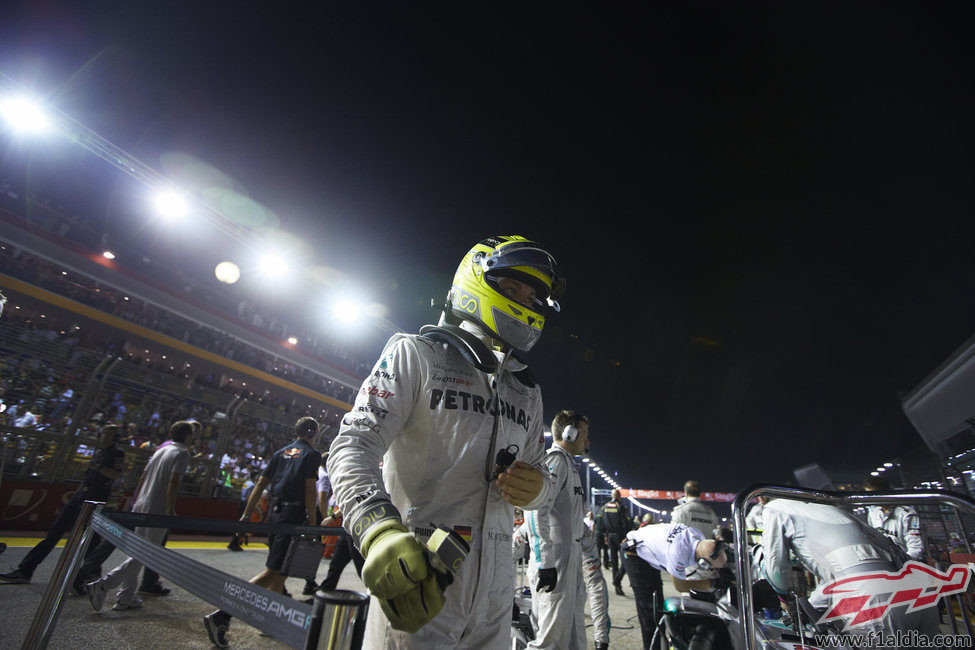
[[473, 349], [469, 346]]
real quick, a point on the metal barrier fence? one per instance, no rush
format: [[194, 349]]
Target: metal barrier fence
[[40, 366], [335, 621], [955, 503]]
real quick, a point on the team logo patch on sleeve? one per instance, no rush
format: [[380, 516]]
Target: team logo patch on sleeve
[[292, 452]]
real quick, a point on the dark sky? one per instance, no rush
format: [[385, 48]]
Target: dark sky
[[765, 213]]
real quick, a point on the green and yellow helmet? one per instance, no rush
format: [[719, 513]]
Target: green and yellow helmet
[[475, 295]]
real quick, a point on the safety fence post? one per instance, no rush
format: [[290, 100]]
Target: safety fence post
[[50, 607], [338, 621]]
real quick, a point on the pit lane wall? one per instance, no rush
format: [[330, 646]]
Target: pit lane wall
[[33, 505]]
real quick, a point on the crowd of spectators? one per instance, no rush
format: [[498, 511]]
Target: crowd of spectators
[[252, 310], [45, 373], [41, 392], [50, 276]]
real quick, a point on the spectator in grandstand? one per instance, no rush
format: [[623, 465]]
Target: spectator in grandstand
[[291, 479], [428, 397], [900, 523], [28, 419], [155, 494], [104, 467]]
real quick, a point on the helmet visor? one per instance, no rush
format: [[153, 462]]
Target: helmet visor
[[527, 259]]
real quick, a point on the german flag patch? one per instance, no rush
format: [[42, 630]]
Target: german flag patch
[[464, 532]]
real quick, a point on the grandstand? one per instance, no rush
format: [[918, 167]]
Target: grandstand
[[84, 338]]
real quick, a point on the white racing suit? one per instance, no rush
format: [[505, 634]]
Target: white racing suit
[[753, 521], [596, 589], [426, 414], [832, 544], [901, 525], [668, 547], [555, 532], [592, 576]]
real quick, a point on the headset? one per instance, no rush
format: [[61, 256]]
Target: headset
[[570, 433], [705, 563]]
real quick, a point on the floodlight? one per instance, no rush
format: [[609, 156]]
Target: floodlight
[[888, 464], [273, 266], [227, 272], [25, 115], [292, 340], [874, 473], [347, 311], [170, 204], [109, 255]]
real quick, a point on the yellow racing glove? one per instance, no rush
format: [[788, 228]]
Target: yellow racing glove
[[395, 561]]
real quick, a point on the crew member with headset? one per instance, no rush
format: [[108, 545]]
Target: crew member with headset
[[679, 550], [555, 533], [613, 526], [291, 478]]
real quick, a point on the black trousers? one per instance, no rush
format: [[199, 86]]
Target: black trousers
[[615, 539], [645, 582], [62, 525], [345, 552]]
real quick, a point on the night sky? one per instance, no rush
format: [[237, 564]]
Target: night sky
[[764, 213]]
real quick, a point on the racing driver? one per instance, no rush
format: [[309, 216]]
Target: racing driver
[[455, 419]]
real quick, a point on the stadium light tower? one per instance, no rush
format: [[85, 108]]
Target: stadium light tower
[[23, 113]]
